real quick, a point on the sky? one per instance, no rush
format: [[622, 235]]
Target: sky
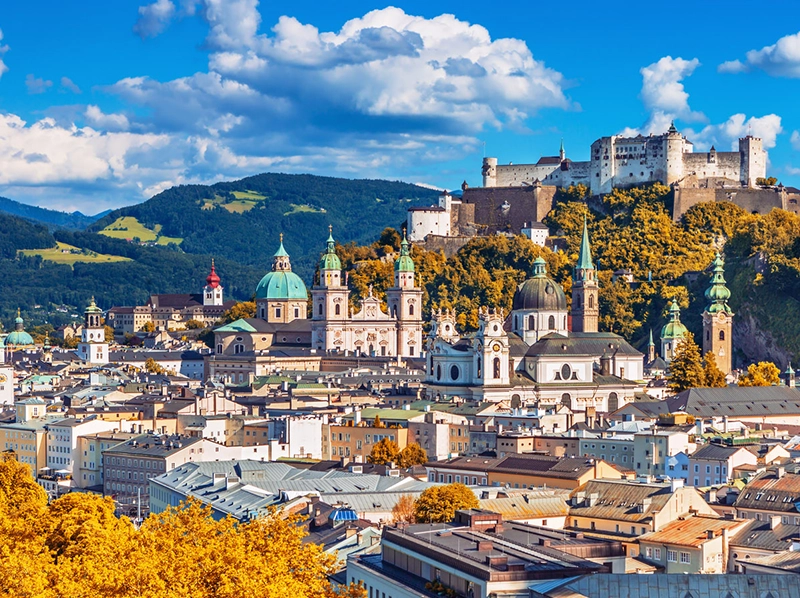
[[105, 104]]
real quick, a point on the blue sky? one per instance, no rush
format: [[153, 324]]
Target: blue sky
[[108, 104]]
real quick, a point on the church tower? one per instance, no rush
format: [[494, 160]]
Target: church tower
[[404, 300], [673, 332], [330, 300], [212, 292], [93, 347], [491, 350], [585, 306], [718, 318]]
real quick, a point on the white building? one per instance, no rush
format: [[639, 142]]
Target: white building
[[432, 220], [62, 439], [93, 347], [536, 232]]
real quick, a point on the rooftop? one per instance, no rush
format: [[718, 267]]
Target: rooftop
[[693, 531]]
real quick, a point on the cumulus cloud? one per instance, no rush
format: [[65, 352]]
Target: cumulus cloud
[[109, 122], [154, 18], [727, 134], [664, 95], [795, 139], [68, 85], [781, 59], [3, 50], [386, 95], [37, 85]]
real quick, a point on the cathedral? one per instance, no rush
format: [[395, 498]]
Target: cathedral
[[285, 319], [531, 356]]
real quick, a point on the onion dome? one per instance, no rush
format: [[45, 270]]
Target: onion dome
[[718, 294], [404, 263], [212, 280], [330, 261], [281, 283], [540, 292], [674, 329], [19, 338]]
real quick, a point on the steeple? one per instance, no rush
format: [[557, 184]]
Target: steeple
[[585, 302], [404, 263], [651, 348], [212, 292], [330, 261], [280, 261], [672, 128], [212, 280], [718, 318], [561, 153], [585, 255]]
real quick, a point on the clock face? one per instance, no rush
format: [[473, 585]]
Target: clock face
[[496, 347], [3, 378]]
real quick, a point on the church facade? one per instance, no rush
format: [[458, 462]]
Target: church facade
[[286, 321], [530, 356]]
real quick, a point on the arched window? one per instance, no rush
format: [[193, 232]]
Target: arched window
[[566, 400], [613, 402], [496, 368], [591, 301], [454, 372], [319, 309], [531, 322], [439, 372], [410, 309], [722, 335], [337, 310], [551, 322], [480, 372]]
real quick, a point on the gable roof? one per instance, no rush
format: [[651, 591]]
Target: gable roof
[[737, 401]]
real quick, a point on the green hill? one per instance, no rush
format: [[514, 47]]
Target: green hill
[[51, 218], [241, 220]]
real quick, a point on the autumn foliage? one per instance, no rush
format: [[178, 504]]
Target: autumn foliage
[[77, 547]]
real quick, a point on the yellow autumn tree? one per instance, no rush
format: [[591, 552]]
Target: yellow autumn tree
[[763, 373], [439, 504], [403, 510]]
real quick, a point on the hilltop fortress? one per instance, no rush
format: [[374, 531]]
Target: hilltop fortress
[[618, 161], [515, 196]]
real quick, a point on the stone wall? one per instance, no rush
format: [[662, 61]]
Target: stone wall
[[508, 209], [755, 200], [447, 245]]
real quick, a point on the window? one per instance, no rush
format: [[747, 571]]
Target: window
[[496, 368], [657, 554], [296, 312], [454, 372], [672, 556], [337, 310], [277, 312], [722, 335], [685, 558], [531, 322], [565, 371], [410, 309], [551, 322], [319, 309]]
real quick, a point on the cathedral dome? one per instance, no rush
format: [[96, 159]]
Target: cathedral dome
[[281, 285], [18, 338], [540, 292]]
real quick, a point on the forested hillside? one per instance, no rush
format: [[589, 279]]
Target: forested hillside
[[51, 218], [241, 220]]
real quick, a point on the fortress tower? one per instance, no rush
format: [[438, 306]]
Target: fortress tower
[[489, 172], [674, 148], [585, 305], [753, 160], [718, 319]]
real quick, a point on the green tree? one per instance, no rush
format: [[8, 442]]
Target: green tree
[[412, 455], [439, 504], [243, 309], [713, 377], [763, 373], [384, 451], [686, 367]]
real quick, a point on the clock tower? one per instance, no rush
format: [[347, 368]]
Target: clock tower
[[93, 347]]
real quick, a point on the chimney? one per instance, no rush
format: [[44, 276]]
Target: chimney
[[350, 532], [357, 416], [675, 483], [780, 472], [774, 521]]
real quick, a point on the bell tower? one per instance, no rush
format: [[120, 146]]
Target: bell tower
[[330, 300], [212, 292], [404, 301], [718, 318], [93, 347], [491, 355], [585, 306]]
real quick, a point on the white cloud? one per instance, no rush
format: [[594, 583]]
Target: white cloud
[[781, 59], [727, 134], [68, 85], [154, 18], [3, 50], [109, 122]]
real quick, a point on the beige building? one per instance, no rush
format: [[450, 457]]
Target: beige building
[[357, 441], [626, 509], [691, 545]]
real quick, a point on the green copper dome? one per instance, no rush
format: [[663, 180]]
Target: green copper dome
[[404, 263], [18, 338], [718, 294], [540, 292], [330, 261], [281, 283], [674, 329]]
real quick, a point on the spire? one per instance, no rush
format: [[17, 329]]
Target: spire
[[212, 280], [330, 261], [650, 342], [404, 263], [585, 256], [280, 261], [561, 153], [718, 294], [672, 128]]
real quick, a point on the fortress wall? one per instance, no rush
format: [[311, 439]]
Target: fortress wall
[[461, 215], [525, 204], [578, 172], [512, 175], [447, 245], [760, 201], [727, 165]]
